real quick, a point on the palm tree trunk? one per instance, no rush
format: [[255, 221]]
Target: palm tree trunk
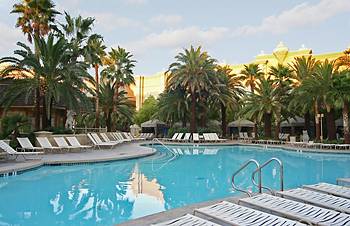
[[307, 122], [37, 109], [37, 91], [44, 115], [331, 130], [97, 113], [183, 122], [223, 120], [277, 129], [346, 122], [193, 126], [317, 122], [267, 125], [109, 121]]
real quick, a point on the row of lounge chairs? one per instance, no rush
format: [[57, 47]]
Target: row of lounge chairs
[[195, 137], [319, 204], [284, 137], [70, 143]]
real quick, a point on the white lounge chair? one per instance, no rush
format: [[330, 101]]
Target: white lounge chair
[[45, 143], [297, 211], [12, 152], [94, 138], [233, 214], [120, 137], [61, 142], [27, 145], [74, 142], [174, 137], [195, 137], [187, 220], [216, 138], [179, 137], [207, 137], [107, 140], [331, 189], [318, 199], [187, 137]]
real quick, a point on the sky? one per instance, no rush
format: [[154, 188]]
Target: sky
[[232, 31]]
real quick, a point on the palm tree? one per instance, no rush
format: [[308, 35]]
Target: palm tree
[[341, 94], [281, 77], [304, 68], [262, 104], [36, 17], [119, 68], [36, 20], [250, 74], [61, 79], [343, 61], [94, 52], [77, 30], [324, 73], [114, 107], [173, 106], [227, 93], [194, 71]]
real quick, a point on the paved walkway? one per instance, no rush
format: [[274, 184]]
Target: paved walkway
[[123, 151]]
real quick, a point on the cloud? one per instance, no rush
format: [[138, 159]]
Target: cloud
[[9, 37], [135, 2], [178, 38], [169, 20], [110, 21], [302, 15]]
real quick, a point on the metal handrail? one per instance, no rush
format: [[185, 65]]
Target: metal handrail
[[259, 169], [239, 170], [157, 140], [164, 164]]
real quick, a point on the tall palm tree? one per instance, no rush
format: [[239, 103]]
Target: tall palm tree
[[251, 74], [61, 79], [173, 106], [262, 104], [94, 52], [194, 71], [227, 93], [77, 30], [36, 19], [113, 107], [119, 69], [341, 94], [324, 73], [304, 68], [281, 77]]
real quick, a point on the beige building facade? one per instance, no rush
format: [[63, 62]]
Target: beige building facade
[[146, 86]]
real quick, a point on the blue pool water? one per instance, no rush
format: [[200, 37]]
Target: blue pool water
[[110, 193]]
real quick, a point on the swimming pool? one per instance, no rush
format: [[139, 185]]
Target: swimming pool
[[114, 192]]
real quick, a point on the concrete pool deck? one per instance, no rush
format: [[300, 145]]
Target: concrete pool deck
[[175, 213], [120, 152]]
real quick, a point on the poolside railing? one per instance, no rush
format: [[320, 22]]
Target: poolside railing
[[79, 130]]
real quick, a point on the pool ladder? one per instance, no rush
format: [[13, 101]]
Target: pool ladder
[[258, 170]]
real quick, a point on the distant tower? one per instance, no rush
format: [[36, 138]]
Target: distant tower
[[281, 52]]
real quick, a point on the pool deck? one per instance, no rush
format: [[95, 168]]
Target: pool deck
[[120, 152], [175, 213]]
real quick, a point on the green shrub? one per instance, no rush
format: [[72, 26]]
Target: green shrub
[[14, 124], [60, 130]]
